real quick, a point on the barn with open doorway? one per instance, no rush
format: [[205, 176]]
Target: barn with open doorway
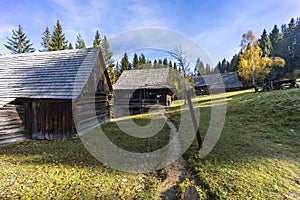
[[138, 90]]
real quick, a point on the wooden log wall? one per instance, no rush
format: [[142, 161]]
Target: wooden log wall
[[87, 118], [53, 119], [49, 119], [11, 123]]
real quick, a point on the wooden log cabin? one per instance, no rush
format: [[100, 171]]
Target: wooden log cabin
[[226, 81], [138, 90], [43, 94]]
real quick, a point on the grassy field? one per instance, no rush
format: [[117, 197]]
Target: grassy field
[[66, 170], [258, 153], [256, 157]]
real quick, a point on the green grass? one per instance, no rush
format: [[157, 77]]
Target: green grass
[[258, 153], [66, 170], [256, 157]]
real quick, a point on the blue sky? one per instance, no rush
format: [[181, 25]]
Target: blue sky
[[216, 25]]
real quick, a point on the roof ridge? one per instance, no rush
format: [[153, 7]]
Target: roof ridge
[[47, 52]]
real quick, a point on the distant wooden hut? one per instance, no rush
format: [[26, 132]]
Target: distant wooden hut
[[227, 81], [139, 89], [39, 90]]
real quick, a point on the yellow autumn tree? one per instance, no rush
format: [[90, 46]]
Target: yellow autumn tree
[[252, 65]]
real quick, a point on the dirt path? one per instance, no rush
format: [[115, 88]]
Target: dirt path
[[176, 172]]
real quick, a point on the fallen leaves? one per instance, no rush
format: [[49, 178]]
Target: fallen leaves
[[63, 170]]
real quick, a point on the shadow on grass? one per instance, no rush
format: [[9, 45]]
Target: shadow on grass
[[73, 152], [256, 126]]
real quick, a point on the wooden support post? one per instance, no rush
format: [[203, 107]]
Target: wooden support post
[[192, 112]]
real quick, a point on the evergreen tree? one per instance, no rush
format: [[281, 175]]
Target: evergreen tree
[[160, 61], [170, 65], [275, 38], [218, 68], [58, 40], [165, 62], [289, 46], [175, 66], [228, 66], [199, 68], [46, 40], [142, 59], [265, 44], [70, 46], [234, 63], [155, 64], [80, 44], [19, 42], [149, 63], [108, 58], [297, 45], [107, 54], [97, 40], [124, 63], [223, 66], [207, 69], [135, 61]]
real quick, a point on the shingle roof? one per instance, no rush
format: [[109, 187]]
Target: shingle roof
[[143, 79], [45, 74], [223, 80]]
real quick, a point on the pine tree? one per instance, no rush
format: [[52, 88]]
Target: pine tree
[[170, 65], [80, 44], [165, 62], [124, 63], [175, 66], [107, 54], [46, 40], [70, 46], [289, 47], [218, 67], [265, 44], [234, 63], [160, 61], [297, 45], [97, 40], [155, 64], [19, 42], [223, 67], [142, 59], [228, 66], [58, 41], [135, 61], [275, 38], [207, 69], [199, 68]]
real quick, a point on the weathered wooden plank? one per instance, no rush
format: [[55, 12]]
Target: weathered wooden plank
[[13, 130], [11, 126], [10, 136]]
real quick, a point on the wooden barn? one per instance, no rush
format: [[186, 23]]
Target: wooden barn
[[39, 91], [139, 89], [227, 81]]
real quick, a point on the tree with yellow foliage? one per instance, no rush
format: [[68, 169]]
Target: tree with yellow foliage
[[253, 65]]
